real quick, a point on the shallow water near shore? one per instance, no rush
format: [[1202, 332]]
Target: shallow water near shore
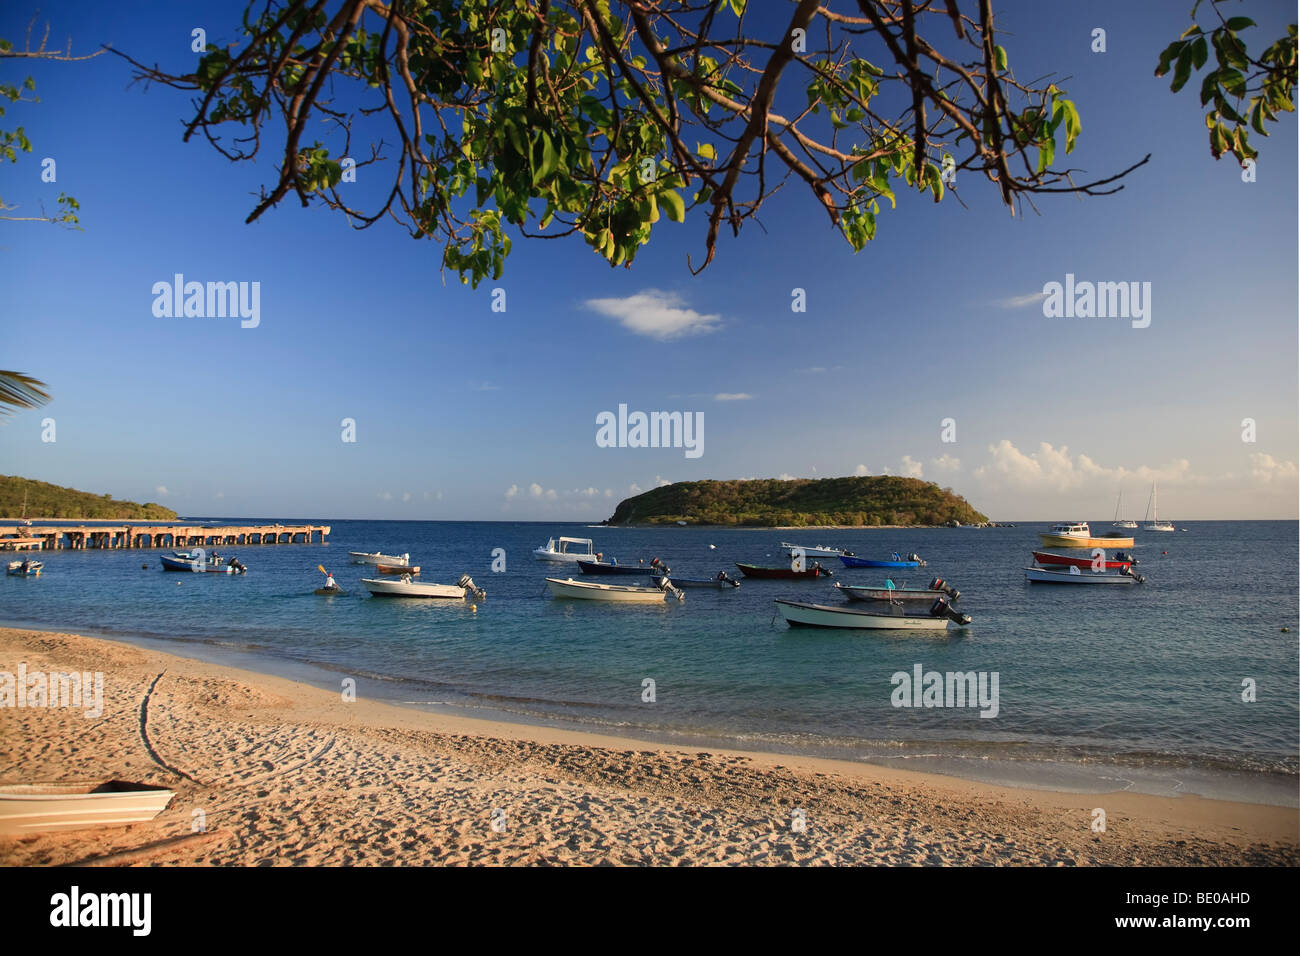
[[1099, 688]]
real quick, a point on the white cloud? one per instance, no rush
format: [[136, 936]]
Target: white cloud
[[912, 469], [385, 496], [1020, 301], [660, 481], [634, 489], [1055, 468], [512, 491], [732, 397], [659, 315], [1266, 468], [785, 476], [406, 496], [862, 471], [160, 490], [946, 463]]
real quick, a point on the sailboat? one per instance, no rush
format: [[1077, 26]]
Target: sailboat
[[1121, 522], [1154, 523]]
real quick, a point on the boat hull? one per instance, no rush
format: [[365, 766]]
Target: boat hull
[[857, 593], [612, 593], [600, 567], [757, 571], [852, 562], [398, 569], [728, 585], [1043, 576], [33, 808], [800, 614], [1069, 541], [367, 557], [1045, 557], [413, 589]]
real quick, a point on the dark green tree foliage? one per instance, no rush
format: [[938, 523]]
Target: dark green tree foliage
[[866, 501], [52, 501], [607, 118], [1244, 91]]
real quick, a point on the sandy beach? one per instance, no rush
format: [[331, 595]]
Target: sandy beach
[[282, 773]]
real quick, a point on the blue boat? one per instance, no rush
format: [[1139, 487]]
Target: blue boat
[[911, 561], [720, 582]]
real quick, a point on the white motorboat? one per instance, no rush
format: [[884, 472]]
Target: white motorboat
[[802, 614], [821, 551], [1153, 518], [566, 549], [408, 587], [37, 807], [1077, 575], [374, 557], [615, 593]]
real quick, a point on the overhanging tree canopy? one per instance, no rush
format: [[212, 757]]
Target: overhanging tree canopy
[[600, 117]]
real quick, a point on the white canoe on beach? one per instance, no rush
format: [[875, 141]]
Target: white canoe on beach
[[407, 587], [1076, 575], [37, 807], [374, 557], [616, 593], [801, 614]]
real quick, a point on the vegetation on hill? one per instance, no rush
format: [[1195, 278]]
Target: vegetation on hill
[[867, 501], [52, 501]]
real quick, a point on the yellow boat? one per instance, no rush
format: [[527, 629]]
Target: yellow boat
[[1076, 534]]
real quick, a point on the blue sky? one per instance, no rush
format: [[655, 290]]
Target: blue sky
[[456, 405]]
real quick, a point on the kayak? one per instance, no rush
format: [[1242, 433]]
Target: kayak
[[329, 591]]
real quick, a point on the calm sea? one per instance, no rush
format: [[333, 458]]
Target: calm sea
[[1098, 688]]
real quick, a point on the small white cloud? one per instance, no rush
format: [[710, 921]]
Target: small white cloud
[[161, 490], [785, 476], [862, 471], [535, 490], [1266, 468], [912, 469], [1020, 301], [512, 491], [634, 489], [385, 496], [661, 482], [732, 397], [406, 496], [946, 463], [659, 315]]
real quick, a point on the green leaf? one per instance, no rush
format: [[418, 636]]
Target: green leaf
[[1182, 71], [706, 150], [1000, 58], [673, 205], [1200, 50], [1239, 23]]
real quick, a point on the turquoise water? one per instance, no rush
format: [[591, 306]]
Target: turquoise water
[[1098, 687]]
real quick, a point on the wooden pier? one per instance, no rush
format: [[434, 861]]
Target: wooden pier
[[79, 537]]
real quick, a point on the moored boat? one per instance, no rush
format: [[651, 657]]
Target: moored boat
[[939, 588], [1074, 575], [565, 550], [198, 561], [38, 807], [329, 592], [405, 587], [613, 593], [821, 551], [27, 568], [1121, 560], [722, 581], [411, 569], [1077, 534], [898, 561], [759, 571], [803, 614], [1120, 521], [375, 557], [1153, 515], [655, 567]]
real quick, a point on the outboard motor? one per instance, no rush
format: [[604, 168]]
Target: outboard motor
[[663, 584], [940, 608], [468, 584], [939, 584], [917, 558]]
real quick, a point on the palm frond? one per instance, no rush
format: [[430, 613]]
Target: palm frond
[[20, 391]]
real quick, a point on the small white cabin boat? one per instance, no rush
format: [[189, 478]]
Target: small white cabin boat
[[615, 593], [1076, 575], [408, 587], [374, 557], [802, 614], [821, 551], [37, 807], [566, 549]]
